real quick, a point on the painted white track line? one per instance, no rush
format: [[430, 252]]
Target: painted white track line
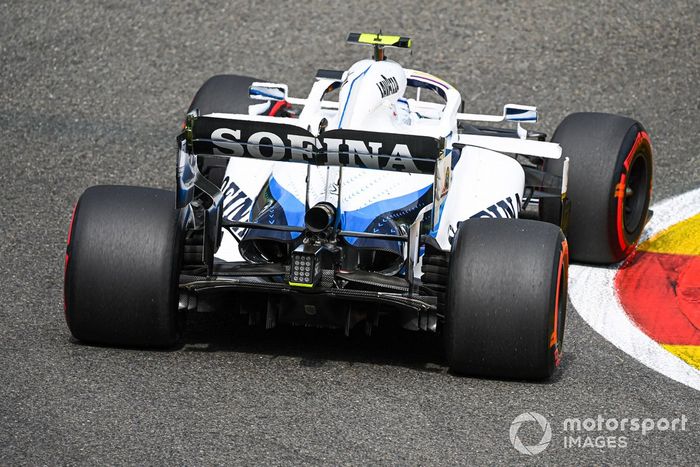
[[592, 293]]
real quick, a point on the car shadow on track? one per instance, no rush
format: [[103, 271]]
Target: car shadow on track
[[313, 347], [388, 345]]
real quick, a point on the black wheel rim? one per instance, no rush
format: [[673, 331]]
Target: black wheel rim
[[636, 192]]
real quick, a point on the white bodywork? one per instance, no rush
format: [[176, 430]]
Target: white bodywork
[[479, 179]]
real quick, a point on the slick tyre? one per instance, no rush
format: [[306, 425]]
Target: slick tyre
[[224, 94], [609, 184], [506, 299], [122, 267]]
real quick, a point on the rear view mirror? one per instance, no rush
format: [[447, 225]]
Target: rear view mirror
[[268, 91], [519, 113]]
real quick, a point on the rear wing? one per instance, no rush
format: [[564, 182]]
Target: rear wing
[[279, 139]]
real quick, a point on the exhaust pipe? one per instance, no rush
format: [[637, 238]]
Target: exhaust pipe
[[321, 217]]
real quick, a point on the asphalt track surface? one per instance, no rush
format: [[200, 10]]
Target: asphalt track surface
[[94, 93]]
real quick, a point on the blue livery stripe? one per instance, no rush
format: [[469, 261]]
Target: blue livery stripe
[[294, 209], [342, 115], [360, 219]]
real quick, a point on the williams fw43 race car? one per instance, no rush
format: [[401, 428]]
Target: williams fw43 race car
[[375, 199]]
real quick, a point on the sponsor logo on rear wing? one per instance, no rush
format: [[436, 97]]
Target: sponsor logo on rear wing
[[272, 141]]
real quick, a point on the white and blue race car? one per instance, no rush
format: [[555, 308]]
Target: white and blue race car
[[374, 199]]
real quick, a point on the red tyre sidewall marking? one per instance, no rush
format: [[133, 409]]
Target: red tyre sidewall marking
[[67, 259], [642, 137], [563, 265]]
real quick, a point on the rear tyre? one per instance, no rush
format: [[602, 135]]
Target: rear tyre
[[122, 267], [609, 184], [506, 299], [224, 94]]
